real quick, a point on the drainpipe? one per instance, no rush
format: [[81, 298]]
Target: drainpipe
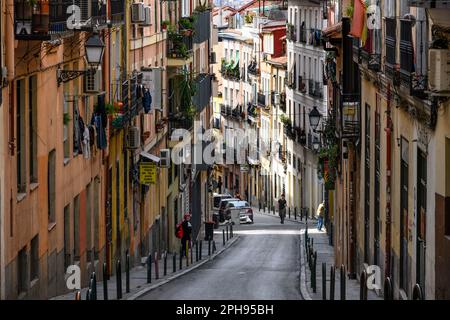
[[388, 129]]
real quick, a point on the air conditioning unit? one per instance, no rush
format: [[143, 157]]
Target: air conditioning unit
[[212, 58], [133, 138], [277, 99], [439, 73], [137, 12], [93, 81], [164, 155], [147, 13]]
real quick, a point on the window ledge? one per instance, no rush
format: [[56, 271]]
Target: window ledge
[[66, 161], [21, 196], [51, 225], [34, 185]]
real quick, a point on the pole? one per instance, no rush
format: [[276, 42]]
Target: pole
[[127, 266], [332, 282], [156, 265], [118, 280], [295, 213], [209, 247], [149, 268], [94, 285], [223, 236], [181, 258], [227, 231], [174, 262], [200, 250], [314, 272], [343, 282], [324, 281], [196, 250], [105, 282], [78, 295], [165, 263]]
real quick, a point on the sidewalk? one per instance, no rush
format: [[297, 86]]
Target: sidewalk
[[138, 274], [325, 254]]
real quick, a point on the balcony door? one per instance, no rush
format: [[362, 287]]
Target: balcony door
[[421, 217]]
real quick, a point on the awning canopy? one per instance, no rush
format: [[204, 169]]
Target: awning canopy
[[150, 156], [333, 32]]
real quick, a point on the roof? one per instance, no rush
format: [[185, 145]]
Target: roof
[[256, 3], [279, 60]]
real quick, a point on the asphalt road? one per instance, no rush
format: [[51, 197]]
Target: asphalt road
[[262, 264]]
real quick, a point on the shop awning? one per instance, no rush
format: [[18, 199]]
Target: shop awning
[[150, 156]]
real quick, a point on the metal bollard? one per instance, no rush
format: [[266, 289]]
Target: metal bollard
[[295, 213], [89, 294], [187, 253], [417, 292], [196, 250], [227, 231], [343, 283], [165, 263], [223, 235], [78, 295], [94, 285], [214, 247], [156, 265], [231, 230], [105, 282], [363, 286], [181, 259], [149, 268], [127, 270], [118, 280], [192, 256], [289, 210], [174, 261], [209, 247], [332, 282], [314, 287], [324, 281], [388, 289], [200, 250]]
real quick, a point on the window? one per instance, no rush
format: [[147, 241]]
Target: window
[[66, 117], [89, 222], [22, 271], [67, 249], [96, 216], [34, 256], [32, 118], [76, 228], [20, 136], [51, 186]]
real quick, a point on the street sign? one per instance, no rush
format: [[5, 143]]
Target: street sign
[[147, 173]]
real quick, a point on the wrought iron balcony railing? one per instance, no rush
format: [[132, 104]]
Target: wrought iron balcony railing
[[303, 35], [291, 34], [179, 46], [117, 11], [261, 100], [315, 37]]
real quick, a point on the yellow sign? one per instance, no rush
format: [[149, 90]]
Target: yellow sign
[[147, 173]]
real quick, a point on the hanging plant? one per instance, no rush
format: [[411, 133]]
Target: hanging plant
[[286, 120]]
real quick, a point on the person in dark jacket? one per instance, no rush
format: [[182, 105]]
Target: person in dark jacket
[[187, 233], [282, 208]]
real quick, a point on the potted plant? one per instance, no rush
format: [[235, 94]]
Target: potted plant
[[164, 24]]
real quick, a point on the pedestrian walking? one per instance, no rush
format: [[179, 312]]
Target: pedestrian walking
[[282, 208], [184, 232], [319, 214]]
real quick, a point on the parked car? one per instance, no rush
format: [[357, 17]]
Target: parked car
[[244, 208], [222, 206], [219, 197]]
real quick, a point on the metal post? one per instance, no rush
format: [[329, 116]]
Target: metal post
[[223, 235], [200, 250], [314, 272], [187, 253], [363, 286], [343, 283], [324, 281], [89, 294], [332, 282], [181, 258], [388, 289], [231, 230], [105, 282], [289, 210], [417, 292], [118, 280], [214, 246], [295, 213], [127, 266], [196, 250], [227, 231], [149, 268], [192, 255], [78, 295], [94, 285], [156, 265], [209, 247], [174, 261], [165, 263]]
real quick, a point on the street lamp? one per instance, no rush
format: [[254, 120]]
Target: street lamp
[[94, 48], [314, 118]]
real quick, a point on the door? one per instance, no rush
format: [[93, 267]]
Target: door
[[377, 221], [421, 217]]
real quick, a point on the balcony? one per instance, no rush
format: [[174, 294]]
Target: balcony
[[236, 113], [315, 38], [283, 101], [291, 35], [429, 4], [406, 53], [301, 84], [303, 35], [391, 46], [301, 136], [179, 49], [202, 26], [117, 11], [203, 91], [290, 79], [350, 116], [45, 21], [253, 68], [230, 70]]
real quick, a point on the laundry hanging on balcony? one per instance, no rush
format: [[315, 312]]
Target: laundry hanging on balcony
[[359, 20]]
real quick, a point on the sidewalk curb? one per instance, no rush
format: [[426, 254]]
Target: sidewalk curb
[[185, 271], [303, 289]]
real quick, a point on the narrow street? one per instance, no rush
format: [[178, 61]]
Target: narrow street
[[263, 264]]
